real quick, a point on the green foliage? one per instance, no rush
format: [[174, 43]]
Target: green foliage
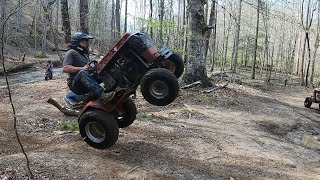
[[68, 126], [170, 36], [40, 54], [155, 23]]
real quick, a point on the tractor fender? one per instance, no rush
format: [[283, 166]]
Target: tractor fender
[[96, 105]]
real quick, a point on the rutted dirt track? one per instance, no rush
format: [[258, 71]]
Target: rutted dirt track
[[239, 132]]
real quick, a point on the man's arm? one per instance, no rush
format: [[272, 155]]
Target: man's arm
[[73, 69]]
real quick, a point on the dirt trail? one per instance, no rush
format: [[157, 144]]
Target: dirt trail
[[239, 132]]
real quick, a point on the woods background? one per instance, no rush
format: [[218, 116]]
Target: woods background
[[274, 36]]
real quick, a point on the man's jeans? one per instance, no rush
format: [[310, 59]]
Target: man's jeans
[[85, 82]]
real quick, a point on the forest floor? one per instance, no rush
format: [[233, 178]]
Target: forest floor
[[247, 131]]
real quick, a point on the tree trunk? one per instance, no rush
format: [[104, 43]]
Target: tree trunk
[[298, 60], [212, 22], [117, 18], [48, 21], [246, 56], [306, 28], [35, 27], [316, 46], [256, 44], [293, 53], [226, 37], [65, 21], [57, 16], [125, 16], [56, 44], [266, 39], [233, 53], [237, 38], [309, 58], [196, 68], [144, 8], [178, 33], [84, 13], [185, 31], [151, 18], [45, 32], [161, 14], [170, 31], [214, 40], [112, 22], [302, 60]]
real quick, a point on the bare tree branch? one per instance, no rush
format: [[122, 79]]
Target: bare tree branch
[[3, 25]]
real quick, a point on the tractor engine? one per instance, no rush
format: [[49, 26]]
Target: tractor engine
[[122, 74]]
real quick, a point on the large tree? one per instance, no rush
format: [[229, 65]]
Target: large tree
[[316, 45], [196, 67], [307, 28], [47, 8], [84, 12], [253, 73], [117, 19], [237, 39], [65, 21]]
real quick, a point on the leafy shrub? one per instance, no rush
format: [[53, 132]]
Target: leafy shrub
[[40, 54], [68, 126]]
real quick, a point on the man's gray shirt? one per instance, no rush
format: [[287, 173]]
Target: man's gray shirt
[[74, 58]]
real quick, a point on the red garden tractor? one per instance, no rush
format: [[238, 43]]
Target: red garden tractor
[[132, 61], [314, 98]]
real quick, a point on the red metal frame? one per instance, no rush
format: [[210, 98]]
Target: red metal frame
[[151, 54], [113, 52]]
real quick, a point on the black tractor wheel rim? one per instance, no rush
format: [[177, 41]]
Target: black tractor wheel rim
[[169, 65], [95, 132], [159, 89]]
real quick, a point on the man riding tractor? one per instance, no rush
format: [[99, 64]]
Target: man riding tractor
[[81, 80]]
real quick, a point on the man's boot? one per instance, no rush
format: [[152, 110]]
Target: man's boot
[[106, 98]]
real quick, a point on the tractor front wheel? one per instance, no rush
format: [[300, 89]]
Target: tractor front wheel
[[127, 114], [159, 87], [175, 64]]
